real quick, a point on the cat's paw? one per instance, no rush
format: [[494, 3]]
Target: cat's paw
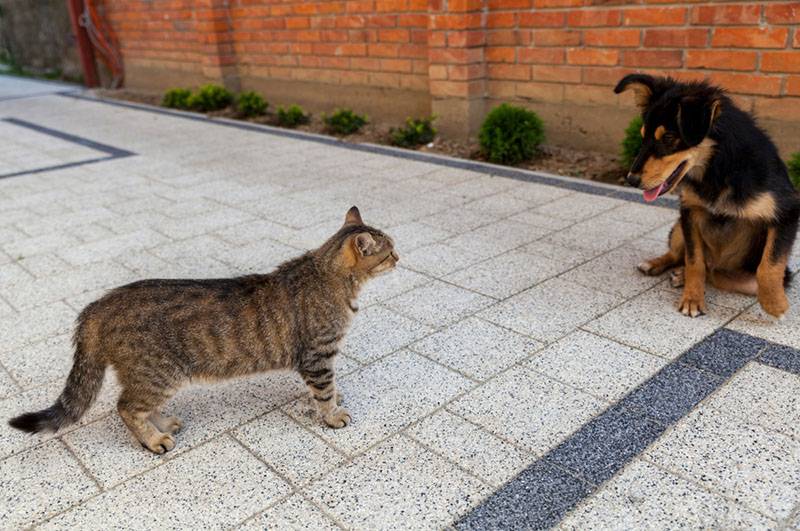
[[338, 418], [171, 425], [160, 444]]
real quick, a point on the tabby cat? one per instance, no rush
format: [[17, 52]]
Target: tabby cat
[[162, 334]]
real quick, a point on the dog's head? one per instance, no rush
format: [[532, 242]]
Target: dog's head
[[678, 119]]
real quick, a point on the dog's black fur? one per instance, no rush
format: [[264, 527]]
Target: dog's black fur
[[731, 181]]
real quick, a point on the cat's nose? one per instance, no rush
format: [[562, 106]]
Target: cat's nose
[[395, 256]]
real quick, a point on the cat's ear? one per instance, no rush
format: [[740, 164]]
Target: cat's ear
[[363, 242], [353, 217]]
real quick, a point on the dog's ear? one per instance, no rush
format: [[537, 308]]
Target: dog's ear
[[642, 85], [696, 115]]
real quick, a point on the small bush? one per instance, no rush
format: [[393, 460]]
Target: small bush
[[210, 98], [177, 98], [292, 116], [344, 121], [251, 104], [794, 168], [415, 133], [632, 142], [511, 134]]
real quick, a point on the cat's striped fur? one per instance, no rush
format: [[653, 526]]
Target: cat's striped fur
[[159, 335]]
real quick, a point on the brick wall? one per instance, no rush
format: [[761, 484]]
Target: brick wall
[[457, 57]]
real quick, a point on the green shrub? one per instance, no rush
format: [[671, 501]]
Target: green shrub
[[251, 104], [292, 116], [632, 142], [344, 121], [794, 168], [416, 132], [177, 98], [510, 134], [210, 98]]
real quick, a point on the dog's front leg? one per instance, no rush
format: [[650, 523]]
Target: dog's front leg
[[772, 270], [694, 289]]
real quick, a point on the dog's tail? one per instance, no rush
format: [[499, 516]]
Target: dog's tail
[[788, 275], [83, 384]]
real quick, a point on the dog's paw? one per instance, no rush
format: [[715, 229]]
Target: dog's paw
[[692, 306], [774, 304], [648, 268], [676, 278], [338, 418]]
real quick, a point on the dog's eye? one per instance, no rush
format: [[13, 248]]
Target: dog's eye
[[669, 138]]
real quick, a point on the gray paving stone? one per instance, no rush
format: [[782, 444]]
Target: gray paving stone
[[7, 386], [219, 497], [786, 332], [439, 259], [503, 406], [497, 237], [762, 395], [110, 247], [500, 205], [43, 265], [491, 459], [293, 514], [614, 272], [476, 348], [578, 206], [412, 235], [260, 257], [529, 217], [568, 257], [378, 331], [596, 365], [287, 447], [506, 275], [458, 220], [383, 398], [551, 309], [39, 363], [438, 304], [651, 216], [549, 493], [645, 497], [39, 244], [390, 285], [37, 324], [397, 484], [652, 323], [40, 483], [597, 234], [741, 461]]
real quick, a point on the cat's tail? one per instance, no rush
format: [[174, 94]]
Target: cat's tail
[[83, 385]]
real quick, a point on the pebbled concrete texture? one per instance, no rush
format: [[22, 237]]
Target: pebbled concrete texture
[[515, 371]]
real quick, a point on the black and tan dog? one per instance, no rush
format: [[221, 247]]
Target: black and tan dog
[[739, 211]]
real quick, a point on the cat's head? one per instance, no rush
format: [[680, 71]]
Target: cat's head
[[365, 251]]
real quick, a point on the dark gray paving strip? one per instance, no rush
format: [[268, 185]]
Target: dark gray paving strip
[[37, 95], [111, 152], [488, 169], [544, 493], [97, 146]]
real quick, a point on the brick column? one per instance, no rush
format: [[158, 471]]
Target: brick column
[[456, 64], [215, 33]]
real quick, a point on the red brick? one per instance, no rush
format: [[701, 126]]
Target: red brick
[[727, 14], [781, 61], [462, 39], [612, 37], [654, 16], [592, 56], [604, 75], [721, 60], [748, 83], [676, 38], [498, 54], [653, 58], [783, 13], [542, 19], [581, 18], [509, 4], [501, 20], [785, 109], [551, 56], [563, 37], [393, 35], [504, 71], [750, 37], [559, 74], [549, 92], [793, 85]]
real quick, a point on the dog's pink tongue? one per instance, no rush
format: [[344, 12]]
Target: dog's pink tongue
[[652, 194]]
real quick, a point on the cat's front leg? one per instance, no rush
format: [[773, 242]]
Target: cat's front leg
[[320, 378]]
